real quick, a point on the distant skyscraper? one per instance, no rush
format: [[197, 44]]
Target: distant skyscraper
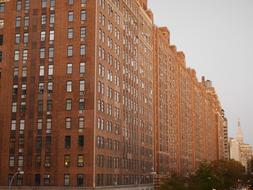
[[239, 134], [240, 151]]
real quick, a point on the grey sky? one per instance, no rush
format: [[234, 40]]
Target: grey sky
[[217, 38]]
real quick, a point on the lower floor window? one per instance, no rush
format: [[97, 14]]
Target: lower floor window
[[66, 179], [80, 180]]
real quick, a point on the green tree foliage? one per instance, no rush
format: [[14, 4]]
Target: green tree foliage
[[175, 182], [219, 175]]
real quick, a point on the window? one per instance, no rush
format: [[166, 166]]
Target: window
[[50, 87], [52, 3], [80, 161], [47, 161], [82, 49], [66, 179], [13, 125], [52, 18], [40, 106], [18, 21], [51, 52], [49, 105], [68, 104], [17, 39], [83, 15], [47, 179], [68, 123], [15, 90], [19, 179], [51, 35], [39, 124], [24, 72], [81, 104], [22, 107], [27, 4], [49, 126], [42, 53], [69, 68], [26, 21], [101, 87], [14, 107], [1, 39], [26, 35], [82, 32], [80, 180], [81, 123], [42, 36], [11, 161], [70, 16], [67, 141], [37, 161], [43, 3], [20, 161], [25, 54], [70, 33], [1, 23], [37, 179], [70, 2], [43, 19], [82, 68], [2, 7], [41, 88], [70, 51], [42, 70], [48, 140], [1, 56], [81, 85], [18, 5], [50, 70], [67, 160], [16, 55], [80, 140], [69, 86]]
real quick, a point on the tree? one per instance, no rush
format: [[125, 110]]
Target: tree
[[218, 175], [174, 183]]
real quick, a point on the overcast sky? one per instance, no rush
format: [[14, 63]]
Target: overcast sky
[[217, 38]]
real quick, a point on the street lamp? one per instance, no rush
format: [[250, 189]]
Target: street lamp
[[18, 172]]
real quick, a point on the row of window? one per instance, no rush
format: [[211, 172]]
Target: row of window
[[108, 143], [101, 73], [80, 141], [70, 33], [47, 179], [107, 161], [69, 70], [83, 15], [79, 159], [109, 109], [108, 126], [69, 86]]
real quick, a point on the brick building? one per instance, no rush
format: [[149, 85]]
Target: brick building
[[92, 94], [189, 121]]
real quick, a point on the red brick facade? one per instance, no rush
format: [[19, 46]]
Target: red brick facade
[[189, 121], [92, 94]]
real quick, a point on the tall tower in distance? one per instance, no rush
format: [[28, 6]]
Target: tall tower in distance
[[239, 134]]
